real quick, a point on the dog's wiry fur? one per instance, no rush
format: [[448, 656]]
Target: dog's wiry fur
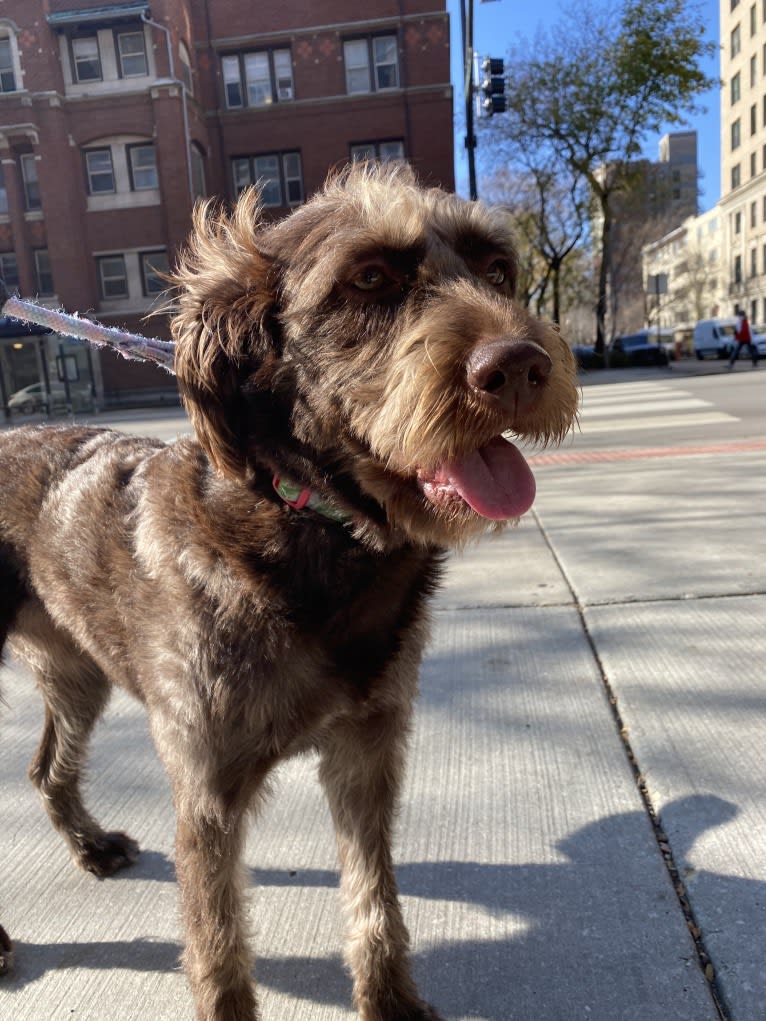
[[361, 348]]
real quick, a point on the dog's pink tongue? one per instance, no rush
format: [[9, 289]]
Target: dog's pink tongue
[[495, 480]]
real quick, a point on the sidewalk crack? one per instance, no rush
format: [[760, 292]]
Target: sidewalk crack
[[663, 844]]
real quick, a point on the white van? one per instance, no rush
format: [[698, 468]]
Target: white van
[[714, 337]]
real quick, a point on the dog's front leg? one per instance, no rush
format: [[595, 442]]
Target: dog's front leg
[[361, 768], [217, 958]]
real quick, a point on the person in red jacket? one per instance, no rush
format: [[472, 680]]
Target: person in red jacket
[[743, 338]]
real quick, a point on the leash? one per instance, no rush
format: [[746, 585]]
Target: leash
[[162, 352], [129, 345]]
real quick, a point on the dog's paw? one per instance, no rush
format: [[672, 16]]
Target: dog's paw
[[6, 952], [107, 854]]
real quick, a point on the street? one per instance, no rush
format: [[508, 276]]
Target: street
[[583, 830]]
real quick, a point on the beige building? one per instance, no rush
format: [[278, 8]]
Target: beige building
[[692, 260], [743, 154], [733, 234]]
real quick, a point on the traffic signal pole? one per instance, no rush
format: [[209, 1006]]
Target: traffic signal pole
[[466, 21]]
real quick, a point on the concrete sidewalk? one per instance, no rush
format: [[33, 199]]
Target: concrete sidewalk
[[584, 797]]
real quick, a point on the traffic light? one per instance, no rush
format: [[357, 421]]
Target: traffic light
[[493, 85]]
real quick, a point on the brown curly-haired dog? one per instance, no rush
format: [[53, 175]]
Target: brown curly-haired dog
[[262, 588]]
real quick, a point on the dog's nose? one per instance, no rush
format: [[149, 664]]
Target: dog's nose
[[513, 372]]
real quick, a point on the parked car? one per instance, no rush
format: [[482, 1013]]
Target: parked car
[[641, 348], [713, 338], [35, 398]]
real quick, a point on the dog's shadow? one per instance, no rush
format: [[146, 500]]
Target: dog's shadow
[[502, 971]]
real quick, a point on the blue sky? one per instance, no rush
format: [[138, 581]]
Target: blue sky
[[498, 22]]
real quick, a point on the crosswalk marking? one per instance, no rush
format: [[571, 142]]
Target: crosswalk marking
[[623, 407], [660, 422], [646, 407]]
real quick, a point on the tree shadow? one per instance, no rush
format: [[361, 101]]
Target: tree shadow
[[594, 932]]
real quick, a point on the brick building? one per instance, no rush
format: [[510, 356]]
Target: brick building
[[115, 117]]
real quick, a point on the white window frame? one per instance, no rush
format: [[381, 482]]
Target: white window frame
[[105, 278], [122, 57], [77, 60], [390, 150], [9, 271], [256, 78], [8, 72], [184, 60], [30, 180], [276, 173], [362, 58], [92, 172], [43, 274], [138, 172], [356, 59], [199, 186], [150, 273]]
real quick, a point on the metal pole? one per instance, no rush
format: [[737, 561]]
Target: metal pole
[[466, 21]]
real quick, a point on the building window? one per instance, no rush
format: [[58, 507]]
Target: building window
[[736, 88], [735, 42], [735, 177], [753, 164], [131, 53], [735, 134], [142, 162], [753, 119], [153, 264], [199, 189], [43, 275], [278, 175], [753, 262], [372, 64], [30, 182], [753, 20], [3, 193], [9, 270], [763, 255], [186, 70], [737, 269], [99, 171], [86, 59], [112, 276], [386, 152], [737, 222], [7, 73], [258, 78], [753, 71]]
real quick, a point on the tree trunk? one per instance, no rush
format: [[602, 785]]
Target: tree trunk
[[603, 275]]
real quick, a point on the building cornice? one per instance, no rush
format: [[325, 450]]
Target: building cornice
[[338, 28]]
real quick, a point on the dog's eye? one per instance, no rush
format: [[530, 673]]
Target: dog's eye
[[371, 278], [497, 272]]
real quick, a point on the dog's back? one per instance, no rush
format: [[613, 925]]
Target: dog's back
[[40, 468]]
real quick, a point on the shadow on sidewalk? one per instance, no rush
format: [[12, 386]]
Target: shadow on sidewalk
[[538, 930]]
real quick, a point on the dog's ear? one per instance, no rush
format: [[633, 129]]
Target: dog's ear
[[224, 328]]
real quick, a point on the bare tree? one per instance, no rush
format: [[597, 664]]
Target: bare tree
[[590, 89], [550, 216]]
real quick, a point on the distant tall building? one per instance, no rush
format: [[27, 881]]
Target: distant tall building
[[659, 195], [743, 153], [116, 117]]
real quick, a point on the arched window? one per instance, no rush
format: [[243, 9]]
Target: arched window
[[10, 65], [185, 68]]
